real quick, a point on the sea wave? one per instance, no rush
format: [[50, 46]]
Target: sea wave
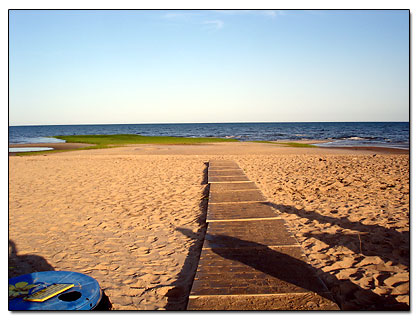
[[360, 133], [356, 138]]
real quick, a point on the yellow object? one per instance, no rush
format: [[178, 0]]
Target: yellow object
[[48, 292]]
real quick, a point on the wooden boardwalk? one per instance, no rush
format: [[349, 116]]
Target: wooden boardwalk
[[249, 260]]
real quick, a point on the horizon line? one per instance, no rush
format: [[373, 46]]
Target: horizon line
[[235, 122]]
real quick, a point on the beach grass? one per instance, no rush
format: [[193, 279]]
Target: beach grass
[[123, 139]]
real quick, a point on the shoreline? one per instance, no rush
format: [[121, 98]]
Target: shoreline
[[372, 148], [74, 146], [55, 146]]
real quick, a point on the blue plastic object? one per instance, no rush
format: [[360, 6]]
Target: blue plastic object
[[85, 295]]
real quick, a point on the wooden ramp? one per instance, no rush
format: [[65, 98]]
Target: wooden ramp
[[249, 260]]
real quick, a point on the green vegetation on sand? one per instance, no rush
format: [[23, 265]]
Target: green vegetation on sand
[[122, 139], [299, 145]]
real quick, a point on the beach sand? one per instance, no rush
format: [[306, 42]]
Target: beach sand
[[115, 215]]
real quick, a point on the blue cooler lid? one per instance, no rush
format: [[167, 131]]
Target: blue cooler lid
[[84, 295]]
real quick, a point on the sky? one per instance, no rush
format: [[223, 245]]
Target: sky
[[156, 66]]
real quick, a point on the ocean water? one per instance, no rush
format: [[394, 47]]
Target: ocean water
[[382, 134]]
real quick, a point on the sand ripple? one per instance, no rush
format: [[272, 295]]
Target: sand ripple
[[351, 215], [113, 218]]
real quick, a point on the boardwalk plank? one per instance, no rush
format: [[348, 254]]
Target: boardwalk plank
[[225, 173], [237, 178], [236, 196], [239, 234], [227, 186], [240, 211]]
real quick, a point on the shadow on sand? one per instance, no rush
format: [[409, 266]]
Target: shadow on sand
[[25, 264], [371, 240], [177, 297]]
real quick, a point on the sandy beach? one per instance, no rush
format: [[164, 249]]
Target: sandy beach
[[115, 215]]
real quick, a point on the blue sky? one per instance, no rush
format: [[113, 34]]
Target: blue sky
[[96, 67]]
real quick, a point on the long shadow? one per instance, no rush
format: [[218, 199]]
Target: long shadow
[[295, 273], [25, 264], [374, 240], [177, 297]]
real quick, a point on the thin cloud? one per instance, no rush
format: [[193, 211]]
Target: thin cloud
[[314, 12], [233, 12], [272, 13], [266, 13], [175, 15], [214, 24], [194, 18]]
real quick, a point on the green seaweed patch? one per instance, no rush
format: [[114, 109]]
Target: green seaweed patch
[[122, 139], [299, 145], [264, 142]]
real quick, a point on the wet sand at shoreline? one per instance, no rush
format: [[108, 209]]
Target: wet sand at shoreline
[[71, 146], [114, 214], [56, 146]]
